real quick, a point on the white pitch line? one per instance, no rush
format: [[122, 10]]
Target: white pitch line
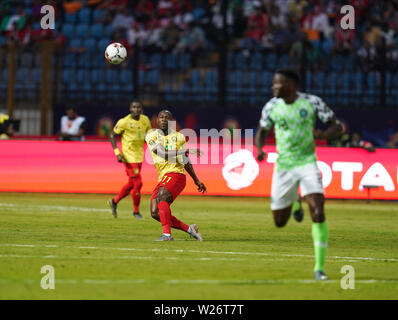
[[215, 252], [15, 207], [198, 281]]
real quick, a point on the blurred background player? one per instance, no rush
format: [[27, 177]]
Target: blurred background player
[[293, 115], [171, 160], [7, 126], [132, 129], [72, 126]]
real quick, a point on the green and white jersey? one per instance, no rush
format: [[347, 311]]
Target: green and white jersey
[[293, 125]]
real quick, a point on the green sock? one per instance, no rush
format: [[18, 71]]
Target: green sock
[[295, 206], [320, 237]]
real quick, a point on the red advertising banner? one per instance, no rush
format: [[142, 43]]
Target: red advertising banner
[[91, 167]]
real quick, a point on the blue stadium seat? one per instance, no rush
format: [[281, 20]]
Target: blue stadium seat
[[241, 61], [76, 43], [195, 77], [68, 30], [82, 30], [153, 77], [26, 59], [84, 15], [184, 61], [198, 13], [126, 76], [230, 60], [270, 61], [331, 84], [256, 62], [211, 78], [70, 18], [284, 61], [90, 44], [168, 92], [171, 61], [67, 77], [97, 30], [108, 31], [266, 79], [155, 60], [252, 79], [35, 75], [111, 76], [98, 15], [102, 44]]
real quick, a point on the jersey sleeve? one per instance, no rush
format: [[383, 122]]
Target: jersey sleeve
[[151, 139], [265, 121], [181, 142], [322, 110], [119, 128], [148, 126]]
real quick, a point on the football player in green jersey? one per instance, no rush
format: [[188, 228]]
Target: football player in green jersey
[[293, 115]]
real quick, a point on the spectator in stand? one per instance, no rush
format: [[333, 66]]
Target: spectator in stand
[[297, 8], [393, 141], [357, 142], [153, 41], [260, 17], [366, 56], [267, 40], [7, 126], [320, 22], [192, 39], [114, 5], [344, 40], [253, 37], [136, 35], [123, 20], [8, 22], [72, 6], [72, 126], [164, 7], [183, 18], [277, 18], [144, 11], [169, 37], [118, 36], [240, 22]]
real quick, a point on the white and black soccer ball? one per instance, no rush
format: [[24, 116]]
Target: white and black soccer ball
[[115, 53]]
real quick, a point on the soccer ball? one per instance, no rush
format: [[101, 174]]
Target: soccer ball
[[115, 53]]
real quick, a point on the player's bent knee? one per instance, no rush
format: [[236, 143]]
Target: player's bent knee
[[319, 215]]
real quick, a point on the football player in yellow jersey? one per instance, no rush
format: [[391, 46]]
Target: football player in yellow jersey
[[171, 161], [132, 129]]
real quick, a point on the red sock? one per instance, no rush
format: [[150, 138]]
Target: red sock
[[177, 224], [165, 216], [136, 194], [125, 191]]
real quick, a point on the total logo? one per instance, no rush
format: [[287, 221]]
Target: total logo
[[240, 169]]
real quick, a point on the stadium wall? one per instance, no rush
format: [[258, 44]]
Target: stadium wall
[[91, 167]]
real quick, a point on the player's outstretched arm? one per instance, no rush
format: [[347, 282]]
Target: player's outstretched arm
[[119, 156], [334, 130], [189, 168], [261, 134]]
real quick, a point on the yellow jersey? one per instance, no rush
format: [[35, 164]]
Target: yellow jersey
[[173, 141], [133, 137]]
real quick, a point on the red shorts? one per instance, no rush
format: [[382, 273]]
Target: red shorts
[[133, 170], [174, 182]]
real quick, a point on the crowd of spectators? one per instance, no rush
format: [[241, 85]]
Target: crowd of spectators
[[282, 26]]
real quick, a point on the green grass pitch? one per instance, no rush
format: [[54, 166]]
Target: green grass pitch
[[243, 255]]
